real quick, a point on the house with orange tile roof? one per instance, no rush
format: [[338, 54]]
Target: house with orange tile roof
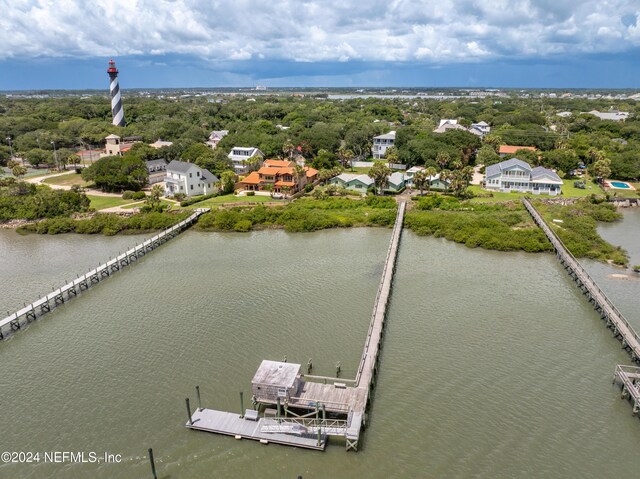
[[511, 149], [278, 176]]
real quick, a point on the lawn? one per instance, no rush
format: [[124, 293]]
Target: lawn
[[137, 204], [102, 202], [218, 200], [625, 193], [67, 180], [568, 191]]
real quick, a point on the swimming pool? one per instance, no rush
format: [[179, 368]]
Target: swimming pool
[[620, 184]]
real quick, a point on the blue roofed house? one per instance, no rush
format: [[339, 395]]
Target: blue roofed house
[[517, 175]]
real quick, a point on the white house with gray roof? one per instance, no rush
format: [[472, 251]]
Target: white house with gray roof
[[517, 175], [215, 137], [381, 143], [188, 179], [240, 156]]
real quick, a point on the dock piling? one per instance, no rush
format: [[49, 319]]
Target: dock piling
[[189, 412], [241, 405], [198, 394], [153, 464]]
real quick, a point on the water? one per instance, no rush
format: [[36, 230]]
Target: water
[[493, 364]]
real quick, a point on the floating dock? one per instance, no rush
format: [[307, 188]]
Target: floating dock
[[629, 379], [348, 398], [43, 305], [608, 312]]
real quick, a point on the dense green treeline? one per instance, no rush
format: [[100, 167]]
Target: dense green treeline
[[322, 128]]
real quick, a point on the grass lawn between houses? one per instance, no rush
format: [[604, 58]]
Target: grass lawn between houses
[[70, 179], [102, 202], [568, 191], [231, 198]]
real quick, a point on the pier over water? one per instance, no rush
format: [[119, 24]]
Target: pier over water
[[17, 320], [305, 422]]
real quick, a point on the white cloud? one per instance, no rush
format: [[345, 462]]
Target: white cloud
[[318, 30]]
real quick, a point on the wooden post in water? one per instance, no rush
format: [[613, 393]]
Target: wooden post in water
[[198, 393], [318, 424], [189, 412], [278, 409], [241, 405], [153, 464]]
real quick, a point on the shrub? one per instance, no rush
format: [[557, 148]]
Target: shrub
[[128, 195], [139, 195], [251, 193]]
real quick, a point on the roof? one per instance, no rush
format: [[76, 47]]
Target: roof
[[481, 123], [449, 126], [278, 163], [265, 170], [610, 115], [276, 373], [510, 149], [207, 175], [540, 172], [160, 162], [396, 178], [180, 166], [415, 169], [503, 165], [112, 137], [218, 134], [252, 178], [160, 144], [447, 122], [311, 172], [387, 136]]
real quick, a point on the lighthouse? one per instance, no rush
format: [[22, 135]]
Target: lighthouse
[[116, 101]]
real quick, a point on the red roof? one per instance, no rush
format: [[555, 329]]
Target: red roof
[[509, 149]]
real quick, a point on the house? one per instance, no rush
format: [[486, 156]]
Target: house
[[410, 173], [511, 149], [353, 182], [381, 143], [481, 128], [276, 380], [611, 115], [564, 114], [278, 176], [117, 146], [240, 156], [395, 182], [446, 125], [215, 137], [517, 175], [437, 183], [157, 170], [160, 144], [188, 179]]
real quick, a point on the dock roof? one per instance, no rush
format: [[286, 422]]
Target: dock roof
[[276, 373]]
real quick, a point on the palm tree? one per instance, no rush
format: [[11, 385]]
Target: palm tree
[[420, 179], [445, 177], [443, 159], [298, 174], [288, 149], [430, 172], [380, 172]]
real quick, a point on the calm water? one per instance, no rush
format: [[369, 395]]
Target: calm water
[[493, 364]]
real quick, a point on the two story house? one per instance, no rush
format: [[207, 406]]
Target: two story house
[[242, 157], [215, 137], [517, 175], [188, 179], [278, 176], [381, 143], [157, 170]]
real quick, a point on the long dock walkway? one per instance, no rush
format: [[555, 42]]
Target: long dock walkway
[[608, 312], [347, 397], [45, 304]]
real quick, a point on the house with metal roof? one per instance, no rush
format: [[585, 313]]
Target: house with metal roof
[[353, 182], [188, 179], [517, 175], [245, 159], [395, 182], [157, 170], [381, 143], [215, 137]]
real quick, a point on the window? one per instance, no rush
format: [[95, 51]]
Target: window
[[192, 187], [197, 173], [190, 177]]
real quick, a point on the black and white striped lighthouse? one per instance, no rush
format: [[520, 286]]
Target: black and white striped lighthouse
[[116, 101]]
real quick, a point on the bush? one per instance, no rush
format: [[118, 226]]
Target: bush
[[139, 195], [197, 199], [251, 193], [128, 195], [308, 188]]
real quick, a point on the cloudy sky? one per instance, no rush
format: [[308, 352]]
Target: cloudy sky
[[164, 43]]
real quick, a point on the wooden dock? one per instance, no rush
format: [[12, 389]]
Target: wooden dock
[[17, 320], [348, 398], [608, 312], [629, 379]]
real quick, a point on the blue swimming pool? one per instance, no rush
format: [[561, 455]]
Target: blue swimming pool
[[619, 184]]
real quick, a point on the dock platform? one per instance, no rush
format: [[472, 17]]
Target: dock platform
[[231, 424], [629, 379]]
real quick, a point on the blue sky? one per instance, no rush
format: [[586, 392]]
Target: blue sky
[[199, 43]]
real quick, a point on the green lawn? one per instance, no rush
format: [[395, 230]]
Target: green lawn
[[67, 180], [568, 191], [218, 200], [625, 193], [102, 202], [137, 204]]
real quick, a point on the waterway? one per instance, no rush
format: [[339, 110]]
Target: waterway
[[494, 365]]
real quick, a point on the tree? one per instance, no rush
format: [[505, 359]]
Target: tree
[[487, 156], [443, 159], [446, 176], [420, 180], [345, 156], [17, 169], [324, 159], [391, 155], [38, 156], [227, 182], [601, 169], [494, 141], [288, 149], [117, 173], [430, 172], [380, 172]]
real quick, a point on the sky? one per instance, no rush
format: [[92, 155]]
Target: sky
[[66, 44]]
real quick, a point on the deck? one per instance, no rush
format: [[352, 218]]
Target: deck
[[629, 378], [59, 296], [608, 312]]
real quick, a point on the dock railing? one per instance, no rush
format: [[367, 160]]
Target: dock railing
[[575, 265]]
